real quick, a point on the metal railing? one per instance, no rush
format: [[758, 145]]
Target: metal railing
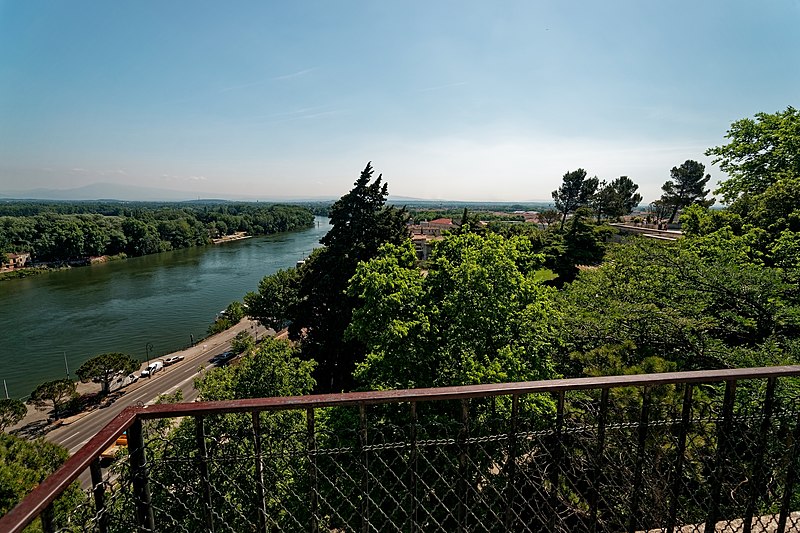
[[688, 451]]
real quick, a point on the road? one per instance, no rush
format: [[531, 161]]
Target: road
[[75, 432]]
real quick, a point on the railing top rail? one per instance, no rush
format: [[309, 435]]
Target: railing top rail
[[45, 493], [48, 490], [315, 401]]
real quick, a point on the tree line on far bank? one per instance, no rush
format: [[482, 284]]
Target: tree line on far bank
[[51, 236]]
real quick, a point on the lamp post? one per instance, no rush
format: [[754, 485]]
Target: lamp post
[[148, 348]]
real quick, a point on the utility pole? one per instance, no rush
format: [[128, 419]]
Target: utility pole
[[66, 366]]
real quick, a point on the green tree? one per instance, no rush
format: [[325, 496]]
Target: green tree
[[105, 366], [547, 217], [622, 197], [277, 294], [575, 191], [11, 412], [242, 342], [478, 316], [686, 187], [760, 152], [361, 223], [23, 465], [272, 369], [56, 393]]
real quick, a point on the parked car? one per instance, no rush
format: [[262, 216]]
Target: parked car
[[223, 358], [152, 368], [173, 359]]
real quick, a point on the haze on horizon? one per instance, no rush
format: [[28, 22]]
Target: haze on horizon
[[449, 100]]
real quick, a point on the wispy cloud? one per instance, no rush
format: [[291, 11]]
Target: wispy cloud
[[197, 178], [295, 74], [242, 86], [445, 86]]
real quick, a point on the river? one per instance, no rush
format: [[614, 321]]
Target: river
[[122, 306]]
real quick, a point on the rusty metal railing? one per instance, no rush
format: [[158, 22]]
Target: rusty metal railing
[[666, 452]]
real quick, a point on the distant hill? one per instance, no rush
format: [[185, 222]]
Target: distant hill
[[133, 193]]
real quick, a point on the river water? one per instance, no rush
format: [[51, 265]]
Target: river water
[[121, 306]]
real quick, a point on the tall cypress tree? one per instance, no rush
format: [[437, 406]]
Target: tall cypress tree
[[361, 224]]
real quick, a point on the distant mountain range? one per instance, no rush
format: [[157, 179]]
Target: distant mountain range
[[133, 193]]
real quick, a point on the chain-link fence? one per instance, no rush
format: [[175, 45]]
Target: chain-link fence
[[714, 451]]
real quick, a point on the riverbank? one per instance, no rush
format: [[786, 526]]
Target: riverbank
[[238, 236], [38, 423]]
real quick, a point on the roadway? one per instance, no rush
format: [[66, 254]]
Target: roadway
[[76, 431]]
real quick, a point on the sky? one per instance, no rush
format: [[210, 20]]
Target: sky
[[455, 100]]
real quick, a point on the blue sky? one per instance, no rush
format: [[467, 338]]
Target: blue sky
[[458, 100]]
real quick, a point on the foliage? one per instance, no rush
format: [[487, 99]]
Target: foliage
[[242, 342], [361, 223], [478, 316], [547, 217], [581, 244], [575, 191], [56, 393], [686, 187], [616, 199], [272, 369], [699, 303], [23, 465], [11, 412], [71, 232], [277, 294], [105, 366], [231, 316], [758, 153]]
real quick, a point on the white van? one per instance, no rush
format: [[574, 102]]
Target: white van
[[152, 368]]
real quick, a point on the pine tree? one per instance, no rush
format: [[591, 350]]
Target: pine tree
[[686, 187]]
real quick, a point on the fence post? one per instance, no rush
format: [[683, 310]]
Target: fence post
[[48, 519], [557, 454], [362, 443], [594, 496], [511, 463], [637, 482], [311, 449], [413, 469], [463, 486], [791, 478], [686, 416], [202, 466], [259, 466], [758, 462], [141, 485], [723, 431], [99, 492]]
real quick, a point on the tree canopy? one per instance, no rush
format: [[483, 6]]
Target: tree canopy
[[276, 295], [478, 316], [759, 152], [56, 393], [361, 224], [11, 412], [686, 187], [576, 191], [105, 366]]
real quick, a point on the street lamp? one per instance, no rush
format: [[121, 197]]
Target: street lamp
[[148, 348]]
